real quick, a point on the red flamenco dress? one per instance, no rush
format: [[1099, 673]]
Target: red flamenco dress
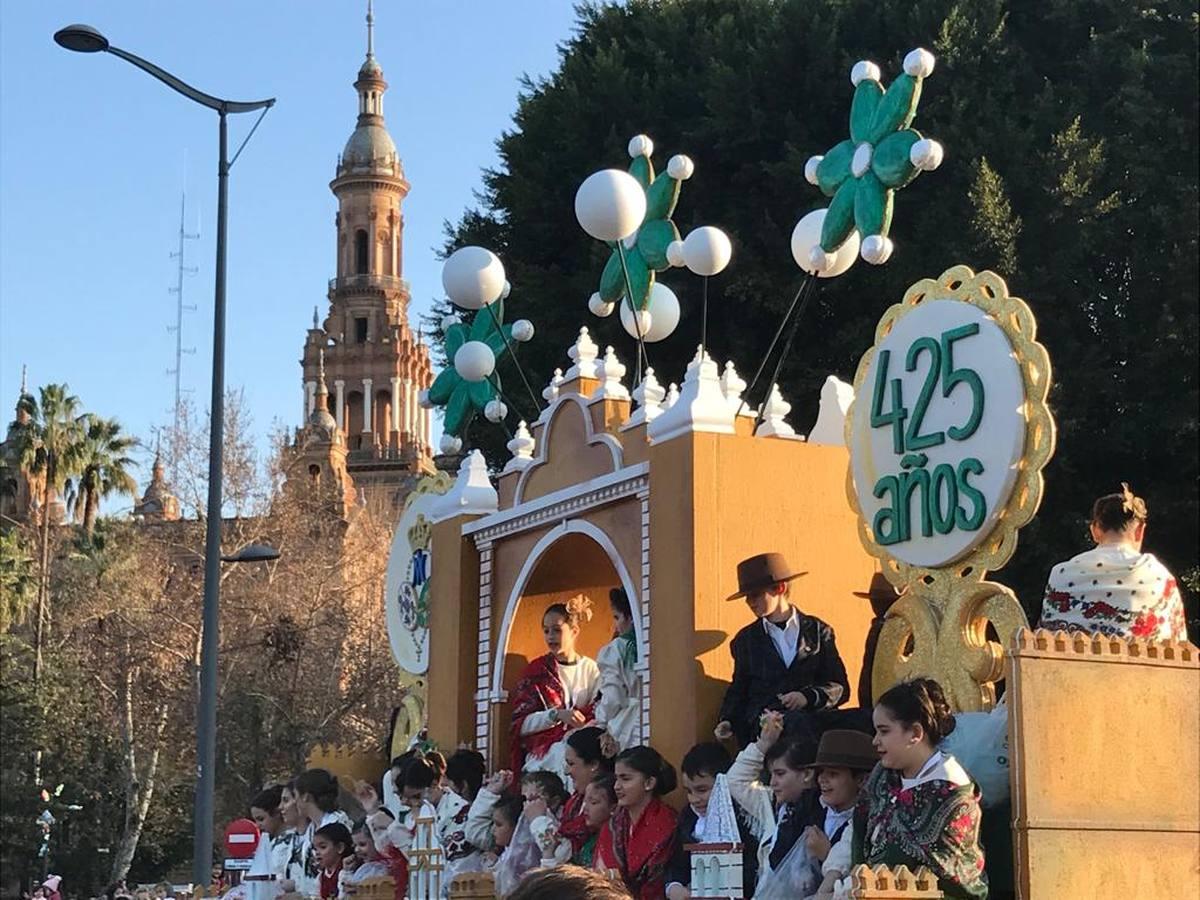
[[639, 850]]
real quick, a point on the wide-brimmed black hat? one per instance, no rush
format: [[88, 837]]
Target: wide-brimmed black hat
[[760, 572], [881, 592], [844, 748]]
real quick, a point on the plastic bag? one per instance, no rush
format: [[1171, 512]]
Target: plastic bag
[[980, 743]]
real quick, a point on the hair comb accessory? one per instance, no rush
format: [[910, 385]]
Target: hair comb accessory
[[1131, 503], [580, 606]]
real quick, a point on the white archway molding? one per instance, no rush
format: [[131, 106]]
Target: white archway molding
[[571, 526]]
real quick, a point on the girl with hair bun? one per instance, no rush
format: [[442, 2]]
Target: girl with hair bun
[[637, 841], [919, 807], [556, 692], [317, 800], [1115, 588]]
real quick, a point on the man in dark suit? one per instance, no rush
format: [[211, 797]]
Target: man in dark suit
[[785, 660]]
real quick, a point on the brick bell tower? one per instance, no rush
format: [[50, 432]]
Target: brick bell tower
[[375, 366]]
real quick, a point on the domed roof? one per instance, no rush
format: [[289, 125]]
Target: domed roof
[[370, 69], [322, 425], [369, 142]]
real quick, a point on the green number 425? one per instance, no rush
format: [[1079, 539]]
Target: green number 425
[[941, 367]]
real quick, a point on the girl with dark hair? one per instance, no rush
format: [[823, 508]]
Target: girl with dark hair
[[1115, 588], [316, 798], [619, 707], [292, 838], [599, 803], [465, 770], [555, 693], [275, 848], [368, 862], [637, 840], [331, 844], [585, 761], [919, 807], [778, 814]]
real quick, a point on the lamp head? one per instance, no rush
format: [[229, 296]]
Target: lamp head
[[253, 553], [81, 39]]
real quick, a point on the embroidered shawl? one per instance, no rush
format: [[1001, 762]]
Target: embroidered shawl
[[639, 850], [934, 824], [539, 689], [574, 826], [1115, 590]]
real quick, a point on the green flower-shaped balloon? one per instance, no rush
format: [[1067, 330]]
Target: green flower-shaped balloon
[[646, 250], [882, 155], [470, 384]]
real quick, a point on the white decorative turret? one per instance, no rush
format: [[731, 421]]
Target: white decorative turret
[[549, 394], [521, 448], [472, 493], [583, 357], [732, 386], [612, 370], [649, 397], [672, 397], [699, 406], [773, 423], [836, 397]]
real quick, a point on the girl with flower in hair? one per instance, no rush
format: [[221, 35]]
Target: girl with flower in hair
[[556, 692], [919, 807], [1115, 588]]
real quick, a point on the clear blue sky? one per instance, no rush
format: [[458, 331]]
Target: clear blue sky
[[94, 154]]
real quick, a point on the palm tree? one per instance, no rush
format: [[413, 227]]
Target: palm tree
[[44, 441], [103, 467]]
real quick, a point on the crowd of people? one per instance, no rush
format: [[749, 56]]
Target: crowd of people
[[816, 788]]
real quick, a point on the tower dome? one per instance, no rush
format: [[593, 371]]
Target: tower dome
[[368, 144]]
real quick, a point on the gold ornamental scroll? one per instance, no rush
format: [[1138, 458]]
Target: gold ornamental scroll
[[940, 508]]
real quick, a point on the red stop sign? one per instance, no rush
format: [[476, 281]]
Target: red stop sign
[[241, 838]]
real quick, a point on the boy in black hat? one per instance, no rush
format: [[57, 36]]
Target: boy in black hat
[[844, 760], [786, 661]]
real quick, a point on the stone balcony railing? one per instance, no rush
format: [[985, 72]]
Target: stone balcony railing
[[359, 282]]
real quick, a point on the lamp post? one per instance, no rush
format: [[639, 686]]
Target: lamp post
[[85, 39]]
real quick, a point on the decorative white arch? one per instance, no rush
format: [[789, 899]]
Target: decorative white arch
[[571, 526], [591, 437]]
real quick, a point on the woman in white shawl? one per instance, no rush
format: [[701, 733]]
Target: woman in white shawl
[[619, 705], [1115, 588]]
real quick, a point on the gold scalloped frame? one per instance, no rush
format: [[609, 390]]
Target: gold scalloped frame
[[938, 627]]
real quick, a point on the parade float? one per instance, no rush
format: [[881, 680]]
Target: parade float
[[925, 468]]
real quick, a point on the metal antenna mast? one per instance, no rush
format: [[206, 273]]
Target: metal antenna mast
[[177, 328]]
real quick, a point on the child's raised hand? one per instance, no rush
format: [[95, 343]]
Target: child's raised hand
[[817, 842], [608, 746], [499, 781], [365, 794], [536, 807], [770, 729]]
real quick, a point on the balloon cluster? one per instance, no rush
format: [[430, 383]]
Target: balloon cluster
[[474, 281], [862, 174], [631, 213]]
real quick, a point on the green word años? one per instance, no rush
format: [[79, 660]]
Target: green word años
[[939, 495]]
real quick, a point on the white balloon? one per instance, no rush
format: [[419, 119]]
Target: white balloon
[[522, 330], [473, 277], [680, 167], [495, 411], [423, 400], [706, 250], [610, 205], [640, 145], [507, 290], [599, 307], [877, 249], [806, 237], [660, 317], [450, 444], [474, 361], [675, 253], [448, 322]]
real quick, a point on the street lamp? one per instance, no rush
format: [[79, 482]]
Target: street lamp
[[85, 39], [253, 553]]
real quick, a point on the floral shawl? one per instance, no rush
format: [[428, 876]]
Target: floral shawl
[[934, 824], [639, 850], [1116, 590], [539, 689]]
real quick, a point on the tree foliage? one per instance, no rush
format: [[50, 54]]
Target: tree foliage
[[1071, 156]]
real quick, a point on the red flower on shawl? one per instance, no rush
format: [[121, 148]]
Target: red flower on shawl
[[1169, 588], [1060, 600], [1145, 625]]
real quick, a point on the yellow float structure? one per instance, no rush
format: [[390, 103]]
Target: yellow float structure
[[662, 492]]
